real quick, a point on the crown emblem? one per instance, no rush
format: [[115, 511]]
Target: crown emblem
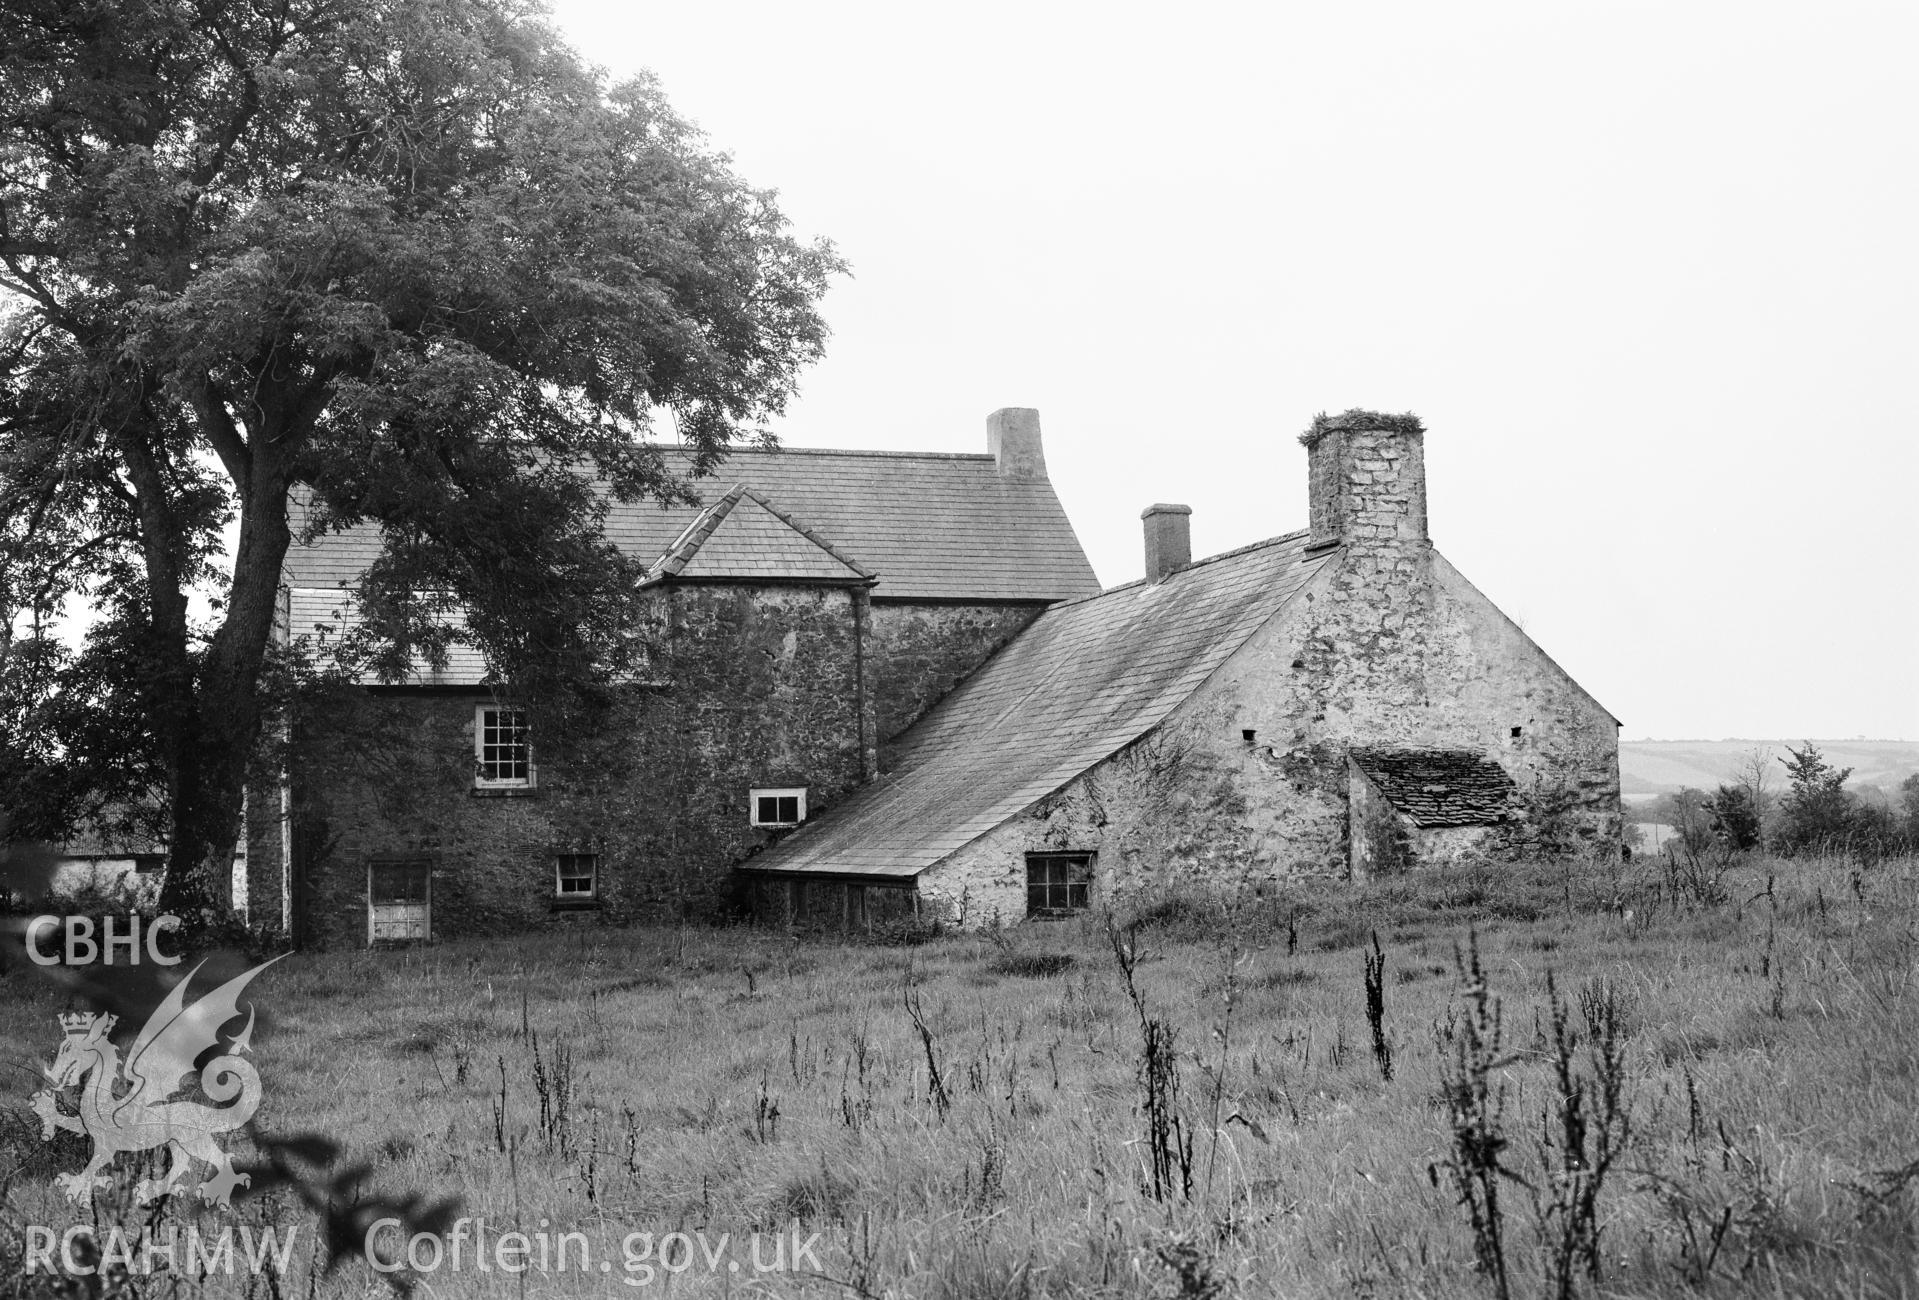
[[77, 1023]]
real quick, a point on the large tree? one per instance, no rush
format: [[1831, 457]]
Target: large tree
[[408, 261]]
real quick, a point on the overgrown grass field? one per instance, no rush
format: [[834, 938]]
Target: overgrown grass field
[[1719, 1095]]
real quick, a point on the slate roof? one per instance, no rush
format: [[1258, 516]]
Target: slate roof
[[929, 525], [1440, 787], [1083, 681], [743, 535], [324, 615]]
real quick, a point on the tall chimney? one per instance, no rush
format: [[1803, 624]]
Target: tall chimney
[[1169, 540], [1366, 477], [1012, 436]]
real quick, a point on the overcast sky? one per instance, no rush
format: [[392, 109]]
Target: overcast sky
[[1647, 272]]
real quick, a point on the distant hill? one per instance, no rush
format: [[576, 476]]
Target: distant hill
[[1654, 767]]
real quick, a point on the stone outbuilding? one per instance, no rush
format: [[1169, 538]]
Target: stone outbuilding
[[1335, 701]]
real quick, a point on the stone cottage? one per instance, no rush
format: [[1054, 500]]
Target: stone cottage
[[889, 685], [1336, 701]]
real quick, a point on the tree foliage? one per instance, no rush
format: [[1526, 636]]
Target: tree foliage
[[1816, 812], [1735, 819], [401, 263]]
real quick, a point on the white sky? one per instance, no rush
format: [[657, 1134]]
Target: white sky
[[1648, 272]]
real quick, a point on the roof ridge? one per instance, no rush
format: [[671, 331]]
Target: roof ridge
[[844, 451], [1190, 566]]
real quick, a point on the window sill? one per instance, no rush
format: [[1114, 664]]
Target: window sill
[[504, 792]]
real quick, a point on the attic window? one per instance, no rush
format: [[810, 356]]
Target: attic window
[[778, 807]]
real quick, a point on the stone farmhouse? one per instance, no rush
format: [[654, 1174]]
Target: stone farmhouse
[[888, 685]]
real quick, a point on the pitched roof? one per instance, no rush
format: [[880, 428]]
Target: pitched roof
[[1440, 787], [929, 525], [1083, 681], [743, 535]]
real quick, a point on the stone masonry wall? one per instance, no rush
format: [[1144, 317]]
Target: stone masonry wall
[[920, 650], [754, 687], [1189, 808]]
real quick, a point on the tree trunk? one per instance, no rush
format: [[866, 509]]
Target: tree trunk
[[210, 767]]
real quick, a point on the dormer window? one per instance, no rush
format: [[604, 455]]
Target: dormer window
[[773, 808]]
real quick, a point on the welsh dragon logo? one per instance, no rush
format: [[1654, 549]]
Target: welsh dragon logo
[[128, 1108]]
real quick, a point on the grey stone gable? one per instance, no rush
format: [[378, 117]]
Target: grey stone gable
[[1084, 681], [931, 526], [1440, 787]]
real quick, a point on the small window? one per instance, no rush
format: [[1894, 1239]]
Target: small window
[[1516, 731], [1249, 735], [1058, 884], [502, 747], [778, 807], [577, 875], [147, 864]]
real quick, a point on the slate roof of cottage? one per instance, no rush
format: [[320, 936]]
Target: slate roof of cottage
[[1440, 787], [928, 525], [1083, 681], [745, 536]]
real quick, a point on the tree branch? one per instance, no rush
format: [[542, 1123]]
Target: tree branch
[[216, 420]]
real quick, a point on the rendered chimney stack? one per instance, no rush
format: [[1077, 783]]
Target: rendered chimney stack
[[1366, 477], [1169, 540], [1012, 436]]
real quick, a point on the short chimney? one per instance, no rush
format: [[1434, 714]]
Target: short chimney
[[1366, 477], [1012, 436], [1169, 540]]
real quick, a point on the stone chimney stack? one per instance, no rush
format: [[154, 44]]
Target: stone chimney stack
[[1169, 540], [1366, 476], [1012, 436]]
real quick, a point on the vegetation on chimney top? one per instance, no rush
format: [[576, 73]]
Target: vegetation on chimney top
[[1355, 418]]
